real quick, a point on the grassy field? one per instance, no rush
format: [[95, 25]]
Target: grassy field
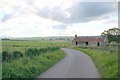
[[37, 57], [22, 45], [105, 58]]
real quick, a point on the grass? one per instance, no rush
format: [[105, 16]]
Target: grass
[[27, 67], [30, 66], [8, 56], [22, 45], [106, 61]]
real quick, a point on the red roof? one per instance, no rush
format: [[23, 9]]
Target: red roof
[[89, 39]]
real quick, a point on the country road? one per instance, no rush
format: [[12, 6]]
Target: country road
[[75, 65]]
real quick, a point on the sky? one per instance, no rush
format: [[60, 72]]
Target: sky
[[41, 18]]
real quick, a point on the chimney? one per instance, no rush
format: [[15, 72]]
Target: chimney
[[75, 36]]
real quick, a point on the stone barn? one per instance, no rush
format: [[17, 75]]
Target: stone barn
[[89, 40]]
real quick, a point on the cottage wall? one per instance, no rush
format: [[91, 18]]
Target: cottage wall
[[89, 43], [92, 43]]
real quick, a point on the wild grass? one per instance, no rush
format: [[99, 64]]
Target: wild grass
[[105, 60], [29, 58], [27, 67]]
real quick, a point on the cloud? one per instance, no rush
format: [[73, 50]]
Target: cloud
[[90, 11], [13, 9], [53, 18], [60, 26], [6, 17], [52, 13], [28, 25], [79, 12], [75, 12]]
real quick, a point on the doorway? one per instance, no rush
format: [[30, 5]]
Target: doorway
[[86, 43], [98, 44], [76, 43]]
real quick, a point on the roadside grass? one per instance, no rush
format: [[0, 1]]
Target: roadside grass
[[28, 59], [27, 67], [105, 60]]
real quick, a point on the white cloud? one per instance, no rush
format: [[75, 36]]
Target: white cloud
[[28, 25], [90, 28], [21, 19]]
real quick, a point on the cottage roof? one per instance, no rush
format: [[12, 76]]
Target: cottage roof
[[89, 39]]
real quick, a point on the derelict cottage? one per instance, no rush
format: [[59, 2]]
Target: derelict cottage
[[89, 40]]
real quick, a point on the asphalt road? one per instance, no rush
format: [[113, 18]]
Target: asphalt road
[[75, 65]]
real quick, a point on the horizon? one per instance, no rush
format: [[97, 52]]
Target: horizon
[[44, 37]]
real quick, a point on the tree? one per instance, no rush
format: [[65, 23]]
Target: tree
[[112, 34]]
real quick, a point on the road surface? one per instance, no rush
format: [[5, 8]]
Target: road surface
[[75, 65]]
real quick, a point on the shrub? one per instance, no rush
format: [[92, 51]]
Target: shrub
[[30, 52], [17, 54], [4, 55], [36, 51]]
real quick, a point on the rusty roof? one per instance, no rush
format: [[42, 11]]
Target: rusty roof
[[89, 39]]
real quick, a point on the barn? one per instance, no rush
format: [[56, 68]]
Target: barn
[[89, 40]]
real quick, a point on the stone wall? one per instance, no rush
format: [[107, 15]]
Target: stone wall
[[88, 43]]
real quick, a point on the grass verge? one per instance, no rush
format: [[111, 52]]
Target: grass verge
[[26, 67], [106, 62]]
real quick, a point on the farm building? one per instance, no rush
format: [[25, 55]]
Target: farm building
[[89, 40]]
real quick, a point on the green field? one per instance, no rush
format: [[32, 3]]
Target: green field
[[37, 57], [105, 58], [22, 45]]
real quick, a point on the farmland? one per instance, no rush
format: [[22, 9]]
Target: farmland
[[30, 58], [22, 45]]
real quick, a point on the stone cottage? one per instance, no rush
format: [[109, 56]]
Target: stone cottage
[[89, 40]]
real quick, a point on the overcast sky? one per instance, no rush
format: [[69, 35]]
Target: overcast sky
[[36, 18]]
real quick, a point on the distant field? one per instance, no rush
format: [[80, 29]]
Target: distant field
[[22, 45], [52, 38]]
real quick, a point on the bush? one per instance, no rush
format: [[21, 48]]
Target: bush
[[4, 55], [17, 54], [36, 51], [30, 52]]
